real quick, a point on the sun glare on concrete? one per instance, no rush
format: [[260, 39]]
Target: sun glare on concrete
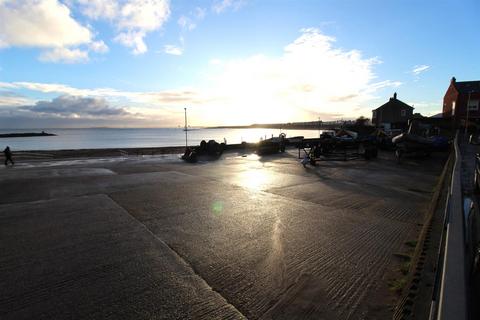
[[254, 179]]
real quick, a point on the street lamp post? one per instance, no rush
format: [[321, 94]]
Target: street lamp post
[[186, 130], [319, 126]]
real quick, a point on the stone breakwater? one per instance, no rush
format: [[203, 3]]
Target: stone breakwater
[[26, 135]]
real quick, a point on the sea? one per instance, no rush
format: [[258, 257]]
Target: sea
[[101, 138]]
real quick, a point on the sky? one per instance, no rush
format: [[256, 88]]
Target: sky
[[139, 63]]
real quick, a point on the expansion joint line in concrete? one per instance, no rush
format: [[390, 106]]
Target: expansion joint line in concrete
[[180, 257]]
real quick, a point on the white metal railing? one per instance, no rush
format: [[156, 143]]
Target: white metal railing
[[452, 294]]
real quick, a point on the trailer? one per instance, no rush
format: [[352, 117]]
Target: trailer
[[333, 148], [272, 145]]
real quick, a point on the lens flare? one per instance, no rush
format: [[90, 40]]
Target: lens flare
[[217, 207]]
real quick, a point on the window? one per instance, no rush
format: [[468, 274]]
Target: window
[[473, 105], [404, 113], [453, 108], [374, 114]]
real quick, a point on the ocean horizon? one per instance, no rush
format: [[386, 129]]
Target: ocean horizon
[[103, 138]]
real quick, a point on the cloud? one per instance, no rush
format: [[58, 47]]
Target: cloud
[[348, 97], [200, 13], [46, 24], [145, 15], [220, 6], [186, 23], [133, 40], [98, 46], [10, 98], [74, 106], [70, 111], [419, 69], [189, 22], [97, 9], [155, 99], [178, 98], [26, 120], [374, 87], [133, 19], [173, 50], [64, 55], [43, 87], [42, 23], [312, 78]]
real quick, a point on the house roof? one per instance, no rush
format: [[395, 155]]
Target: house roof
[[465, 87], [438, 115], [395, 103]]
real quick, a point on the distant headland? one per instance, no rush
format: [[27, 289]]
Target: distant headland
[[26, 134], [311, 125]]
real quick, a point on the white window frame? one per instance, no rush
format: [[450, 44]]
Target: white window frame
[[453, 107]]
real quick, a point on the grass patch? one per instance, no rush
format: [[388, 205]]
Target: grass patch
[[397, 285], [405, 267], [403, 256], [411, 244]]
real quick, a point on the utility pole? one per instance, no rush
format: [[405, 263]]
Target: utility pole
[[468, 112], [186, 130]]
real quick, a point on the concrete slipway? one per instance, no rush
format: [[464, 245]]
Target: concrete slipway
[[242, 237]]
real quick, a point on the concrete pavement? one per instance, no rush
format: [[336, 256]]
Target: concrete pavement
[[254, 237]]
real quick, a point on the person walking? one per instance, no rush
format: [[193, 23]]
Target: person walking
[[8, 155]]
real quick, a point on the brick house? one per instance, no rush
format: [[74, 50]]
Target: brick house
[[460, 94], [392, 115]]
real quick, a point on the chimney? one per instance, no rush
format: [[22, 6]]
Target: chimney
[[395, 96], [453, 80]]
